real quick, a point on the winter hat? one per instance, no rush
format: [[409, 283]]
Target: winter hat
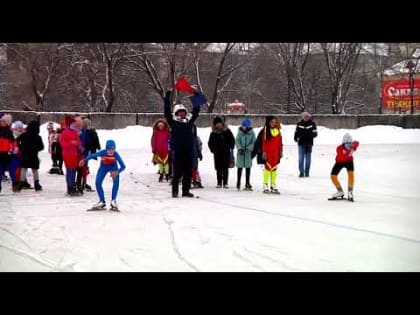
[[17, 125], [110, 144], [50, 125], [306, 114], [7, 118], [87, 123], [246, 123], [217, 120], [180, 107], [347, 138]]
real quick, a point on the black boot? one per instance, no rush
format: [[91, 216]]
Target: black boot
[[160, 178], [167, 177], [37, 186], [26, 185], [187, 194]]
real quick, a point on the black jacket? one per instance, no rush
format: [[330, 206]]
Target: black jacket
[[182, 136], [305, 132], [220, 143], [30, 143]]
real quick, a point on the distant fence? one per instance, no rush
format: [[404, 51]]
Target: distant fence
[[121, 120]]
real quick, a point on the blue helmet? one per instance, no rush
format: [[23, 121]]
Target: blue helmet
[[110, 144]]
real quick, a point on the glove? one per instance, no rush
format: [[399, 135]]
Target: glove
[[264, 156], [241, 151], [281, 155]]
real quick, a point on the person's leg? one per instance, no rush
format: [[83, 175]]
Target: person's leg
[[98, 183], [307, 154], [334, 178], [79, 176], [239, 175], [301, 159], [266, 176], [176, 174], [23, 174], [187, 172], [115, 187], [14, 162], [248, 177], [273, 176], [225, 176], [219, 176], [35, 174]]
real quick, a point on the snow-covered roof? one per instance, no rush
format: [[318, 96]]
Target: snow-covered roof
[[401, 67]]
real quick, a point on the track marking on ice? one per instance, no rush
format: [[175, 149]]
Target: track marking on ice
[[331, 224], [16, 236], [243, 258], [175, 246], [271, 259], [25, 254]]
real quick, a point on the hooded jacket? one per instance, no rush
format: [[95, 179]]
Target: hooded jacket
[[30, 143]]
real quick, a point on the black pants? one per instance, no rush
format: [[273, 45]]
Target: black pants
[[339, 166], [247, 175], [182, 168], [222, 176]]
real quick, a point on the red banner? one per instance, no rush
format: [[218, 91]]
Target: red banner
[[396, 95]]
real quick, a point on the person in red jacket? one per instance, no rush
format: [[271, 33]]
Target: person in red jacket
[[6, 141], [269, 151], [344, 159], [71, 151], [160, 148]]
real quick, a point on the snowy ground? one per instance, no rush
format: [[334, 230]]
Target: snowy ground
[[227, 230]]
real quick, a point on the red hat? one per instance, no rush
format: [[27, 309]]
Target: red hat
[[183, 85]]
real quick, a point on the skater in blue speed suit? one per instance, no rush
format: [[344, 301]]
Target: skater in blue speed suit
[[109, 163]]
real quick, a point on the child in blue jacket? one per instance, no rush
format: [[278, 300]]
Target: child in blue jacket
[[109, 163]]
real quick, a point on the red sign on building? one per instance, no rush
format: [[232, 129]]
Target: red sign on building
[[396, 95]]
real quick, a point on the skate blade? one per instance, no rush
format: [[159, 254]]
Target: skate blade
[[96, 209], [114, 209]]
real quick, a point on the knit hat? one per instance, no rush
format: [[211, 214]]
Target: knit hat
[[306, 114], [7, 118], [347, 138], [17, 125], [110, 144], [246, 123], [217, 120], [180, 107], [87, 123]]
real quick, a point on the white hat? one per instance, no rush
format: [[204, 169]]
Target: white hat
[[17, 124], [347, 138], [180, 107], [306, 114]]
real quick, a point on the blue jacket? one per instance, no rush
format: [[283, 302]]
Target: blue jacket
[[103, 154]]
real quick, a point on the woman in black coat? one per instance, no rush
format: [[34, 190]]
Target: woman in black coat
[[30, 143], [221, 142]]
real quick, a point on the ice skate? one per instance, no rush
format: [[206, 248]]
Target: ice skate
[[339, 195], [265, 189], [114, 206], [274, 190], [98, 206]]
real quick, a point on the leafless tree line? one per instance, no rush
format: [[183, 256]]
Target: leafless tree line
[[133, 77]]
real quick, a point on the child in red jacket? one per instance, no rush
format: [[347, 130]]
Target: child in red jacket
[[160, 148], [344, 159]]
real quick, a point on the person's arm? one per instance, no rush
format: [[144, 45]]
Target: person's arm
[[94, 155], [211, 142], [195, 113], [231, 140], [296, 137], [314, 131], [167, 108], [120, 162]]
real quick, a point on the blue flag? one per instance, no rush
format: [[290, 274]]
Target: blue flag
[[198, 99]]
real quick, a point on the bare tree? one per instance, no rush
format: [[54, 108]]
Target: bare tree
[[341, 60], [40, 61], [226, 67]]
